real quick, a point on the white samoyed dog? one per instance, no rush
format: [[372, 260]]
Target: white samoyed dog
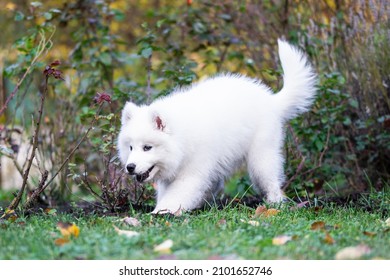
[[190, 141]]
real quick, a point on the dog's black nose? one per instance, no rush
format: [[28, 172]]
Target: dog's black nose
[[130, 168]]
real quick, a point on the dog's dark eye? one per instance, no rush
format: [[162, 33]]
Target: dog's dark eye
[[131, 148], [147, 148]]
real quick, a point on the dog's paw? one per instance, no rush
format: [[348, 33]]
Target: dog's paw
[[161, 211]]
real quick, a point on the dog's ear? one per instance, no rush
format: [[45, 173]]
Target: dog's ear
[[160, 125], [127, 112]]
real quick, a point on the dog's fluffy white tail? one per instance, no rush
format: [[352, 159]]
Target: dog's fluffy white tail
[[299, 81]]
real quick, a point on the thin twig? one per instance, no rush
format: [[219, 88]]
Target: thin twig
[[299, 168], [222, 58], [34, 196], [15, 202]]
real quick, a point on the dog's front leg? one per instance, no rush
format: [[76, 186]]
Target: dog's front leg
[[183, 194]]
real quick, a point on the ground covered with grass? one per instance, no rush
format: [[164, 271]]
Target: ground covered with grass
[[300, 231]]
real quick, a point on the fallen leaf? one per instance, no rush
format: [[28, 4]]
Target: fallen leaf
[[328, 239], [67, 229], [353, 252], [61, 241], [271, 212], [317, 225], [369, 233], [165, 247], [260, 210], [127, 233], [131, 221], [9, 215], [251, 222], [50, 211], [281, 240]]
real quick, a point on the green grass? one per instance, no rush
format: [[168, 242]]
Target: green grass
[[200, 235]]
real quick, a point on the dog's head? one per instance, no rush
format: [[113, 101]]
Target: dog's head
[[142, 143]]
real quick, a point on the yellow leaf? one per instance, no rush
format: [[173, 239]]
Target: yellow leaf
[[353, 252], [67, 229], [281, 240], [127, 233], [74, 230], [9, 215], [271, 212], [165, 247], [317, 225]]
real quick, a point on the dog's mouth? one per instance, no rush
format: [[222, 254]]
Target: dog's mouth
[[143, 176]]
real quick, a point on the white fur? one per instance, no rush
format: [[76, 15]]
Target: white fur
[[200, 135]]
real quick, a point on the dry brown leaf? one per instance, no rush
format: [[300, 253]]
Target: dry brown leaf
[[260, 210], [131, 221], [328, 239], [281, 240], [271, 212], [61, 241], [369, 233], [165, 247], [318, 225], [67, 229], [353, 252], [127, 233]]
